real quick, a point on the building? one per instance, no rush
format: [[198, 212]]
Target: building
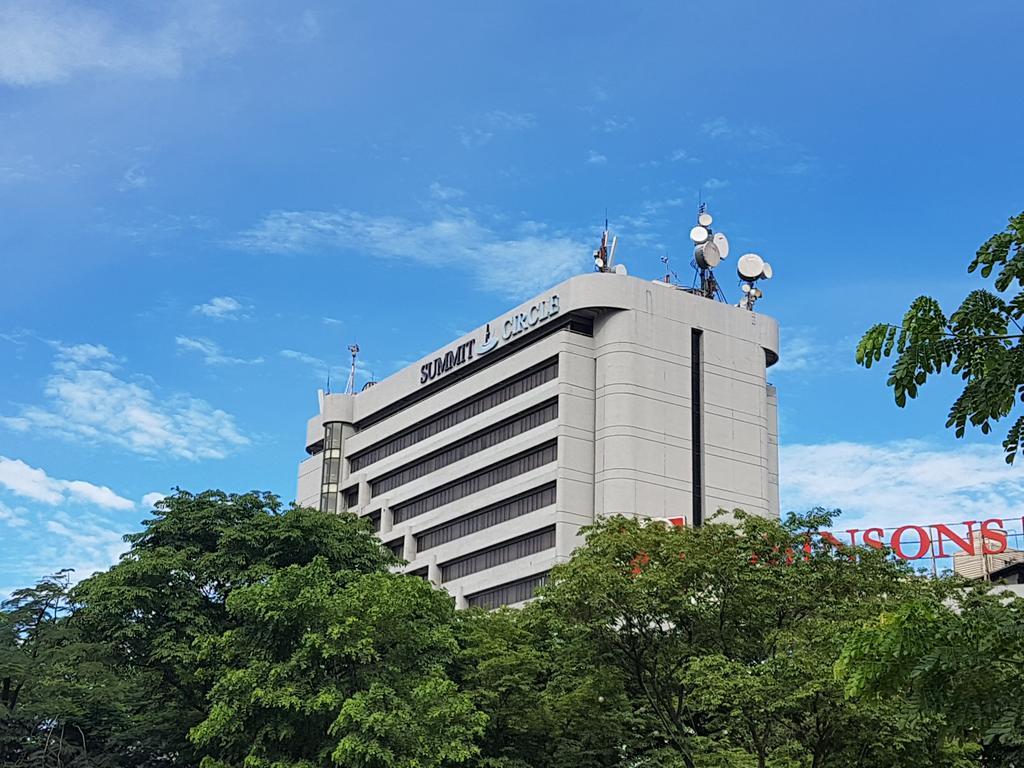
[[604, 395]]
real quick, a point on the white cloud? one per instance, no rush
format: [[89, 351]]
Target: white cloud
[[717, 128], [50, 41], [714, 183], [221, 308], [134, 178], [456, 239], [682, 156], [211, 352], [595, 158], [152, 498], [302, 357], [903, 482], [440, 192], [13, 517], [90, 401], [33, 483], [484, 127]]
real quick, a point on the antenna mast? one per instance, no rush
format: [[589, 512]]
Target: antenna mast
[[351, 388]]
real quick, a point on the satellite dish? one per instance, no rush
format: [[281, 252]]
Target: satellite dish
[[599, 262], [750, 266], [745, 287], [766, 273], [705, 219], [722, 242], [699, 234], [620, 269], [707, 255]]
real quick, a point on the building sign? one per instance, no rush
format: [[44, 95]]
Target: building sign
[[512, 326], [913, 542]]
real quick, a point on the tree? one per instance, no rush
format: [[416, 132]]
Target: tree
[[715, 646], [981, 341], [326, 667], [170, 592], [959, 654]]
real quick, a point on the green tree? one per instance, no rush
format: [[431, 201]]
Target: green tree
[[170, 592], [959, 655], [981, 341], [715, 647], [332, 667]]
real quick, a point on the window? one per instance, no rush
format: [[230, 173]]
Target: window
[[509, 509], [506, 594], [467, 409], [397, 547], [697, 425], [331, 467], [480, 441], [478, 481], [352, 497], [506, 552]]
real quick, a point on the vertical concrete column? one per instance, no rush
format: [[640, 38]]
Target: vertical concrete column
[[347, 430], [409, 547], [364, 493], [387, 519], [434, 571]]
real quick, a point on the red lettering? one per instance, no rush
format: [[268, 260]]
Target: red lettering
[[991, 530], [827, 536], [874, 543], [923, 545], [967, 545]]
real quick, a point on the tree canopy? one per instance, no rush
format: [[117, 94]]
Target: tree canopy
[[238, 633], [980, 341]]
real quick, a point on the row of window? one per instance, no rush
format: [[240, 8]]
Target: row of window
[[506, 594], [480, 441], [490, 516], [506, 552], [467, 409], [478, 481]]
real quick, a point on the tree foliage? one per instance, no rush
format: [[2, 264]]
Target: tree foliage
[[981, 341], [959, 655]]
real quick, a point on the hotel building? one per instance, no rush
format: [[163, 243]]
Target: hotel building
[[605, 395]]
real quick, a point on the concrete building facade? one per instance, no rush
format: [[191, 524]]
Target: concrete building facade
[[604, 395]]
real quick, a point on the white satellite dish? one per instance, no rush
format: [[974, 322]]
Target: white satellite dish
[[722, 242], [707, 255], [699, 234], [705, 219], [766, 273], [599, 262], [620, 269], [745, 287], [750, 266]]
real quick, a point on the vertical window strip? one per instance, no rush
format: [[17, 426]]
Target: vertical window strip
[[697, 423], [331, 463]]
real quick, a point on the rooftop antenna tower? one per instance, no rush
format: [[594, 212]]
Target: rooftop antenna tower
[[709, 248], [351, 388], [750, 267], [604, 256]]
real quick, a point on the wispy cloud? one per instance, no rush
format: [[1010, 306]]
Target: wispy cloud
[[152, 498], [715, 183], [596, 158], [455, 238], [221, 308], [211, 352], [484, 127], [896, 483], [34, 483], [50, 41], [134, 178], [13, 517], [440, 192], [90, 400]]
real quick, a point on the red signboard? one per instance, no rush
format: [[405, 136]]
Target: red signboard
[[913, 542]]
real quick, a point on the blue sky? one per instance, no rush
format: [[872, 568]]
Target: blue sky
[[204, 203]]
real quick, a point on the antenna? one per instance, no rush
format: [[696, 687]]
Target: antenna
[[604, 256], [328, 390], [708, 252], [750, 267], [351, 388]]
